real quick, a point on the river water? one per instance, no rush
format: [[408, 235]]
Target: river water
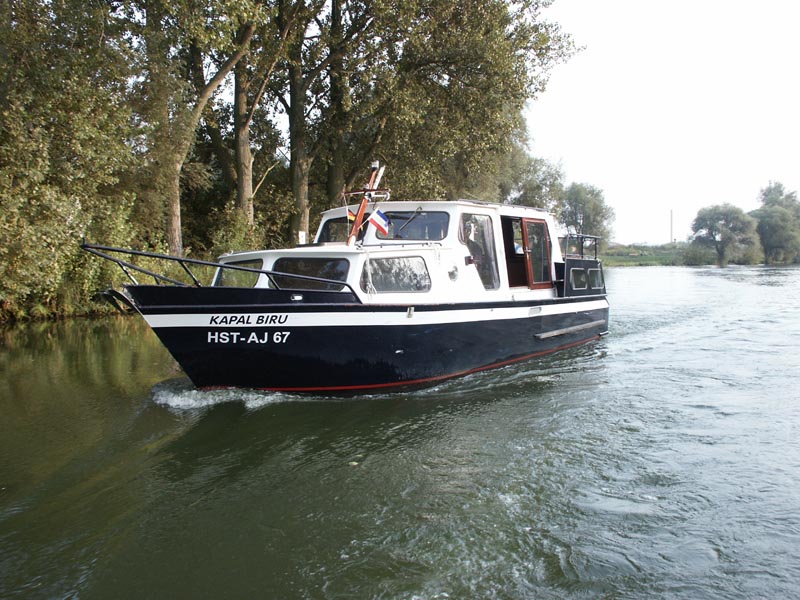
[[660, 462]]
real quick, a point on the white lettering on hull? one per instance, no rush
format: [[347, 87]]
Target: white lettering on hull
[[247, 319], [254, 337], [350, 318]]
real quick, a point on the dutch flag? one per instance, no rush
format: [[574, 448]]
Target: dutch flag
[[380, 220]]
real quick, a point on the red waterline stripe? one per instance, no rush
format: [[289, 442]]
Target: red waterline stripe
[[350, 388]]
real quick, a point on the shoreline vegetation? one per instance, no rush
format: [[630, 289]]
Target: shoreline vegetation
[[200, 128]]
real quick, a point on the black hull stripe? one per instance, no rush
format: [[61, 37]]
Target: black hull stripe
[[418, 382]]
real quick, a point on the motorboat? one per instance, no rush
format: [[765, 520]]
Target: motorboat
[[390, 295]]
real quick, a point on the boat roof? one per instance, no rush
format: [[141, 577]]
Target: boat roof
[[340, 248], [447, 206]]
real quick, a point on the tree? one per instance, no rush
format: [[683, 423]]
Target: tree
[[535, 182], [726, 228], [251, 79], [453, 103], [176, 39], [434, 88], [585, 211], [775, 194], [100, 106], [317, 36], [778, 224], [779, 233]]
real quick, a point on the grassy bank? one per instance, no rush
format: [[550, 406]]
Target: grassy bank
[[652, 256]]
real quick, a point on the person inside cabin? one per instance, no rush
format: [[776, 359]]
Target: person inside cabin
[[476, 234], [475, 249]]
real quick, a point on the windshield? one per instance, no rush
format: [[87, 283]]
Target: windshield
[[415, 225], [337, 230]]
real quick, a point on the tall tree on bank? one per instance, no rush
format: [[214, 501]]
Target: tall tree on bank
[[434, 88], [778, 224], [318, 39], [725, 228], [178, 37], [444, 106], [585, 211], [532, 181], [252, 76]]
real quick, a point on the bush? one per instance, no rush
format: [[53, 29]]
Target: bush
[[696, 255]]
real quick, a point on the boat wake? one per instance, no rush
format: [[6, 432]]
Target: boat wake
[[179, 394]]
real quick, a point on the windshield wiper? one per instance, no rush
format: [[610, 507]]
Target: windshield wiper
[[417, 213]]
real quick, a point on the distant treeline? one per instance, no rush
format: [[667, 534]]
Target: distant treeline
[[769, 234], [724, 234]]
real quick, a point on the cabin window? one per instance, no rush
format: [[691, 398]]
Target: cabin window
[[237, 278], [477, 234], [322, 268], [539, 250], [416, 225], [578, 279], [396, 274], [338, 230], [596, 279]]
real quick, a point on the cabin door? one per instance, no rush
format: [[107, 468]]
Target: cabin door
[[536, 244]]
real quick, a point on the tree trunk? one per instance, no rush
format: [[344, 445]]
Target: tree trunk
[[243, 152], [182, 128], [300, 169], [221, 149], [173, 192], [300, 159], [338, 123]]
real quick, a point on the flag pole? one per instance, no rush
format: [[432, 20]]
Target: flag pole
[[376, 173]]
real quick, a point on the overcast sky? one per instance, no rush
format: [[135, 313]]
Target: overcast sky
[[673, 105]]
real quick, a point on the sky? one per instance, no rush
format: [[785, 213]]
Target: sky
[[672, 106]]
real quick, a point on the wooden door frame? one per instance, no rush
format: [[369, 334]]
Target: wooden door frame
[[529, 262]]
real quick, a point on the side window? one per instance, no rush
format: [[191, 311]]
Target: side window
[[322, 268], [578, 279], [236, 278], [396, 274], [477, 234], [595, 279]]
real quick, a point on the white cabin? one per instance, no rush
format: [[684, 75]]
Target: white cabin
[[428, 252]]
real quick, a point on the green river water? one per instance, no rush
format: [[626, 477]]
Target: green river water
[[660, 462]]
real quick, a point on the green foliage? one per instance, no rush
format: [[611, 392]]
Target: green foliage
[[733, 235], [233, 233], [778, 224], [62, 143], [647, 256], [533, 182], [100, 135], [436, 91], [726, 229], [584, 210], [697, 254]]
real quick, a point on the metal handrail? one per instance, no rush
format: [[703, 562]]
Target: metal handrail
[[102, 252], [579, 239]]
